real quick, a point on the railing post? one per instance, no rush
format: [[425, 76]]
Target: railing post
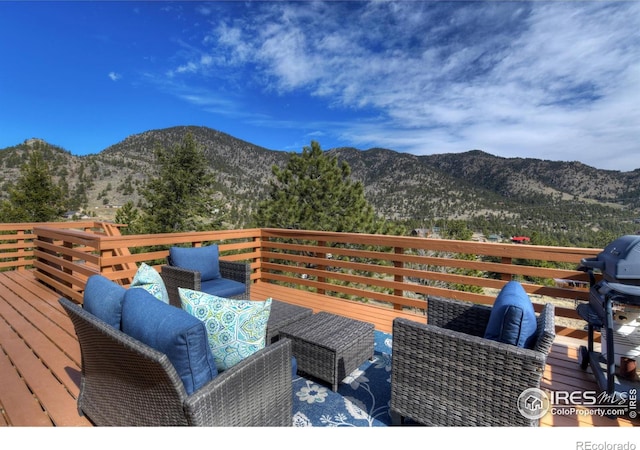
[[21, 242], [263, 241], [506, 276], [398, 278], [69, 258], [256, 262], [322, 267]]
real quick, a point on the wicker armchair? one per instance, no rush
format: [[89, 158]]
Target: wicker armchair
[[127, 383], [445, 373], [175, 277]]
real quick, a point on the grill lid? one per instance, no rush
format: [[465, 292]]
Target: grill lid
[[619, 262]]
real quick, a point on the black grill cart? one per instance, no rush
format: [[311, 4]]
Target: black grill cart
[[617, 290]]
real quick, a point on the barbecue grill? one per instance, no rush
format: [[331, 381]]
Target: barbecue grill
[[614, 294]]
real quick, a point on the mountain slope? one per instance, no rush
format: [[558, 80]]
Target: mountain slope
[[486, 190]]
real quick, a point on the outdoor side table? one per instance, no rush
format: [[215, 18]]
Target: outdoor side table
[[281, 315], [329, 347]]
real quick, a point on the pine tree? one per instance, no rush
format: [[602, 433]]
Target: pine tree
[[314, 192], [181, 197], [34, 197], [130, 216]]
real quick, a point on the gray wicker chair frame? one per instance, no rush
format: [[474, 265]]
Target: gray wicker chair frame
[[175, 277], [444, 373], [127, 383]]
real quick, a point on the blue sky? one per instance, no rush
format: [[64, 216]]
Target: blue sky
[[552, 80]]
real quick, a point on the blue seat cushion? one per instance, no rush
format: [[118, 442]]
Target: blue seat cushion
[[223, 287], [513, 319], [103, 298], [172, 331], [199, 259]]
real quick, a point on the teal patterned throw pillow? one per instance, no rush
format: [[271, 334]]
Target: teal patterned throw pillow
[[150, 280], [236, 328]]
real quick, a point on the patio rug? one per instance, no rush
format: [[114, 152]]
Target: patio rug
[[362, 399]]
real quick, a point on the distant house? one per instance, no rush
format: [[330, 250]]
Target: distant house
[[493, 238], [420, 232], [520, 239], [71, 215]]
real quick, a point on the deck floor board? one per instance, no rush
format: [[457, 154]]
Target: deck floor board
[[36, 341], [20, 407]]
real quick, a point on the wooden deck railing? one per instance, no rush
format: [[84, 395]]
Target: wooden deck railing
[[393, 271], [16, 241], [65, 259]]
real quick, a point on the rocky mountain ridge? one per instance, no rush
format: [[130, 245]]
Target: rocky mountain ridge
[[473, 186]]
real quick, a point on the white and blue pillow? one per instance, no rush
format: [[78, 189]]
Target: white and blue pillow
[[236, 329], [150, 280]]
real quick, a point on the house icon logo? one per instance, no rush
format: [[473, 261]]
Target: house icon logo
[[533, 403]]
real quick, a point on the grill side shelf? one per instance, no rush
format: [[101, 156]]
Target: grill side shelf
[[587, 313]]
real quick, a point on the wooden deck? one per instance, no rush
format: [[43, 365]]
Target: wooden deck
[[40, 356]]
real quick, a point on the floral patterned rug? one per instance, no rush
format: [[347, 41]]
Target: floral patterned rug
[[362, 399]]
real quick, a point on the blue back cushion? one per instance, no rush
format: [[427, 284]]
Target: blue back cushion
[[103, 298], [200, 259], [513, 319], [172, 331]]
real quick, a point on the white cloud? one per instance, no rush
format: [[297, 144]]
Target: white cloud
[[190, 67], [114, 76], [556, 80]]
